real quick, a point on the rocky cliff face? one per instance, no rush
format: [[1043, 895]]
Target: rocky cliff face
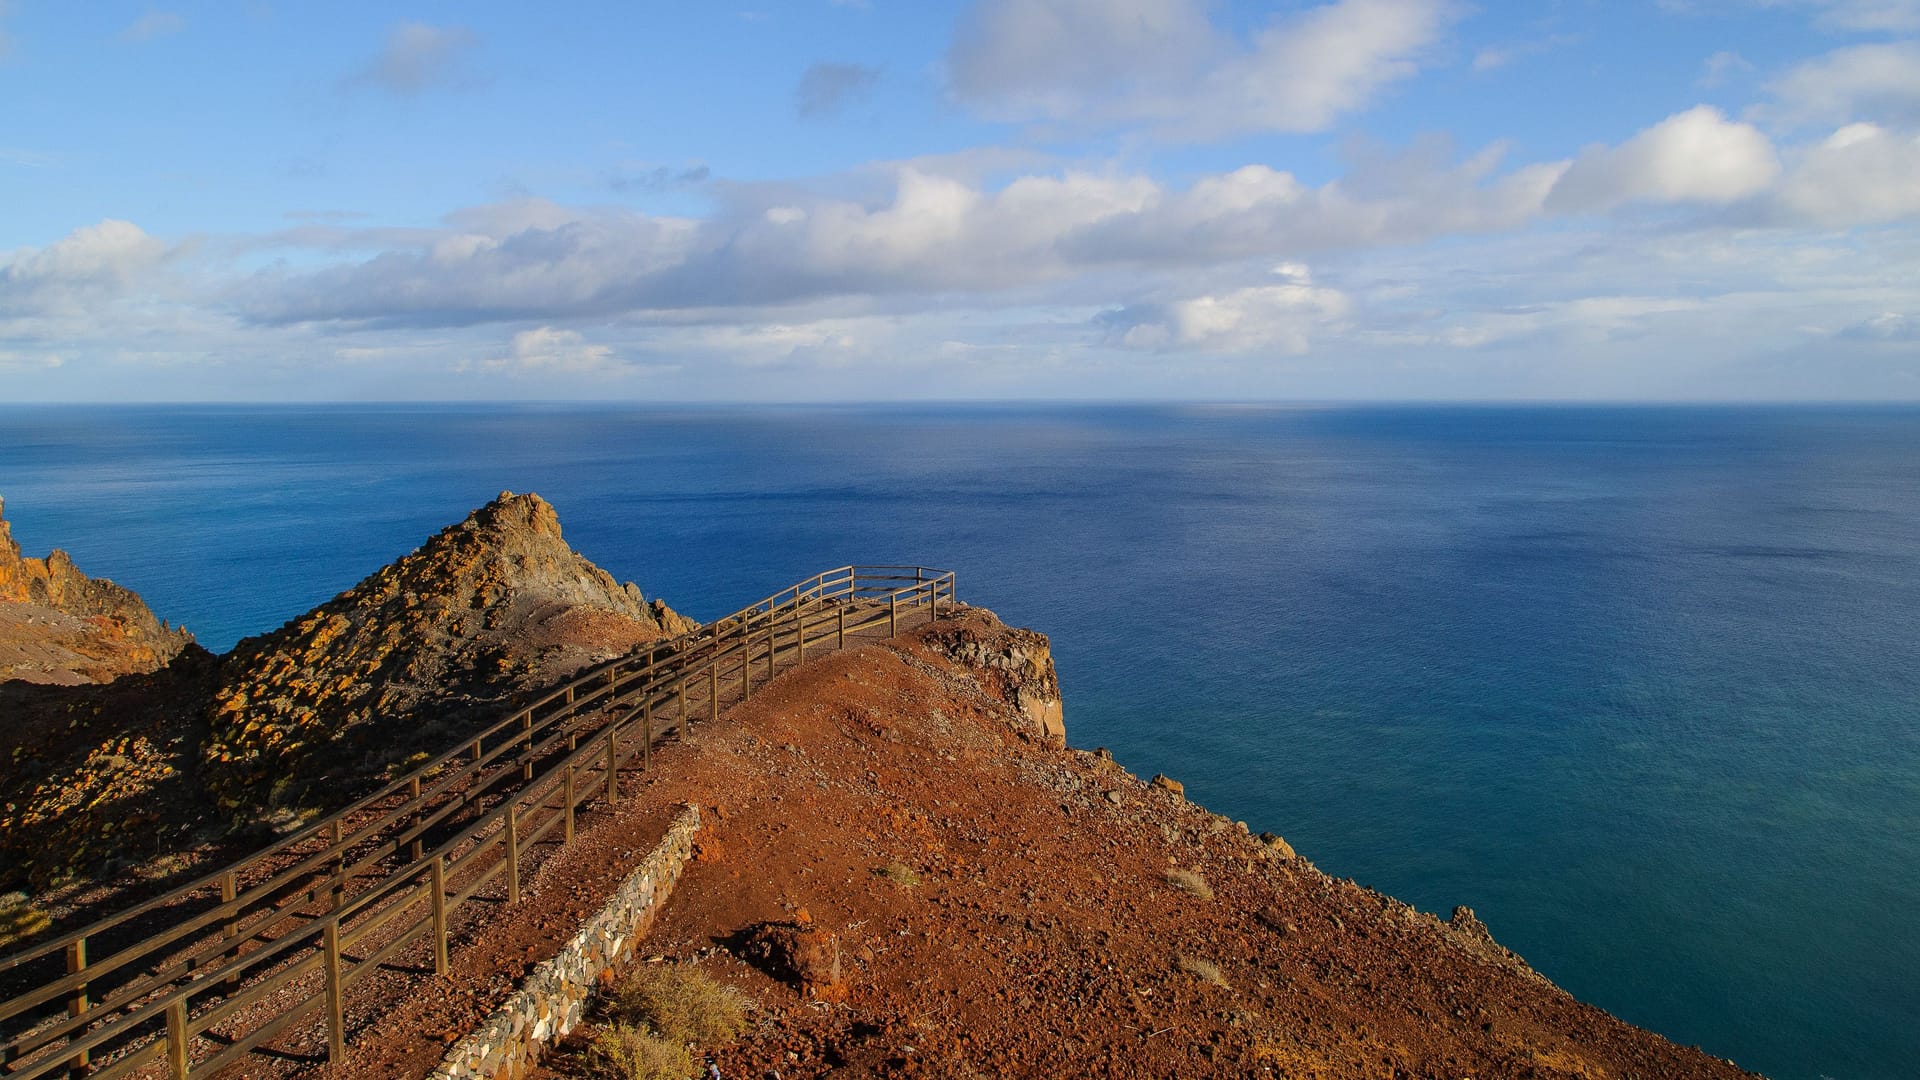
[[59, 626], [96, 779], [402, 662], [1019, 664]]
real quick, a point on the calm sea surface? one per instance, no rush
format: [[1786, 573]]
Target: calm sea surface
[[1641, 686]]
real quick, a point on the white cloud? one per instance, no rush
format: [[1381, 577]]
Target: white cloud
[[1275, 318], [1721, 66], [419, 57], [86, 266], [1163, 62], [1869, 15], [1886, 326], [153, 24], [1860, 174], [1695, 156], [548, 349], [1862, 82], [931, 235]]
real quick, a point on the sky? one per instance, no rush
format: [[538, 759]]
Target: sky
[[858, 200]]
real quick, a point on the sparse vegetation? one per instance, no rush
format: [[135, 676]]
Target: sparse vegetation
[[1204, 970], [625, 1052], [900, 874], [19, 920], [1191, 883], [681, 1003]]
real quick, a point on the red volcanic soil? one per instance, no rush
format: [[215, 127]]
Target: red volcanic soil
[[1001, 906]]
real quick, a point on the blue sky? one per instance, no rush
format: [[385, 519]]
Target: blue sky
[[847, 200]]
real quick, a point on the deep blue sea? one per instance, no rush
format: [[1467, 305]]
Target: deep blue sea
[[1640, 685]]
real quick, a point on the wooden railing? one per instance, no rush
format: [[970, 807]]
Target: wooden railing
[[205, 974]]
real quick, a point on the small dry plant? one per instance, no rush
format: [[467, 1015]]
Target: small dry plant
[[19, 919], [1204, 970], [900, 874], [1191, 883], [681, 1003], [625, 1052]]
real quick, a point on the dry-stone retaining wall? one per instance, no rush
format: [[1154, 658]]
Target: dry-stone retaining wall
[[552, 1000]]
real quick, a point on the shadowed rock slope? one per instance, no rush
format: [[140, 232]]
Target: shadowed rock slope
[[59, 626], [423, 650], [207, 753]]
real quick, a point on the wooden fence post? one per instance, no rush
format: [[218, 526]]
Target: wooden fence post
[[230, 928], [339, 891], [413, 795], [646, 733], [893, 613], [513, 852], [439, 886], [840, 632], [336, 1003], [77, 1004], [177, 1038], [713, 691], [526, 730], [683, 708], [613, 757], [568, 792]]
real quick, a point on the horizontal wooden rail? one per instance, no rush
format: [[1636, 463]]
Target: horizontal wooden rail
[[286, 928]]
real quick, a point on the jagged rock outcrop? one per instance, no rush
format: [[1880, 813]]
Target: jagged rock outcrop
[[403, 662], [181, 761], [1019, 661], [59, 626]]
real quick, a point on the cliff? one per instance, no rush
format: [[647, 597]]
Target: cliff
[[906, 873], [156, 773], [59, 626]]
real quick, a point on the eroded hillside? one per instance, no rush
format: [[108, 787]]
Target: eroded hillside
[[155, 773]]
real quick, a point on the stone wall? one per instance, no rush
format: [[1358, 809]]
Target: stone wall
[[551, 1001]]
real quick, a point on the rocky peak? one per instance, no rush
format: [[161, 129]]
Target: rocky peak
[[486, 610], [57, 625]]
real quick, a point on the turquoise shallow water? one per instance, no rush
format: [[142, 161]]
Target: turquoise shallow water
[[1642, 686]]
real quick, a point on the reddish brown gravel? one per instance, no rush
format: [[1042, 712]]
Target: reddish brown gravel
[[1006, 908]]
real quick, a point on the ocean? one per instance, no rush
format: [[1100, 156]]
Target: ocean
[[1639, 685]]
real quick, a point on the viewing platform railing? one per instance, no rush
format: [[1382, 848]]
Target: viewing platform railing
[[206, 973]]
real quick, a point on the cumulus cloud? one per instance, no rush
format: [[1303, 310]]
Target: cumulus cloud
[[1386, 199], [1861, 82], [931, 233], [1860, 174], [1277, 318], [417, 58], [1164, 62], [154, 24], [1697, 156], [90, 264], [826, 89]]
